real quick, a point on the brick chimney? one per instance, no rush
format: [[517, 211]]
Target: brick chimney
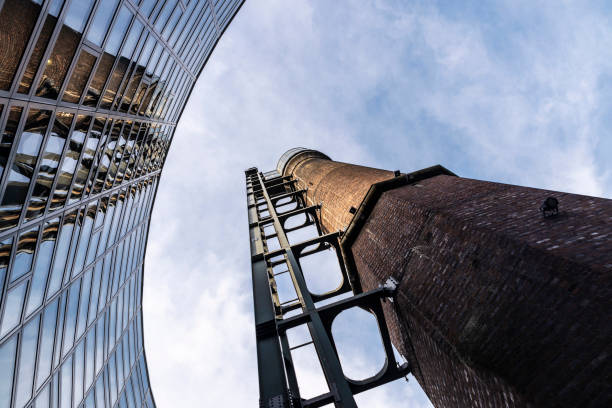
[[503, 300]]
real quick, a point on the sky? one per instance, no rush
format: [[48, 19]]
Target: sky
[[513, 91]]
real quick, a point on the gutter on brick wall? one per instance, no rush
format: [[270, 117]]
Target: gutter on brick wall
[[367, 206]]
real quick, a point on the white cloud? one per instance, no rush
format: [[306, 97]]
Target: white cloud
[[514, 95]]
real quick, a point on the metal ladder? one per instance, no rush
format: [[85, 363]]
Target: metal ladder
[[278, 383]]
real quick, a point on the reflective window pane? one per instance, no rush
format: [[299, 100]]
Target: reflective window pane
[[66, 384], [23, 167], [70, 281], [5, 256], [71, 316], [27, 359], [45, 353], [8, 136], [101, 21], [119, 30], [12, 308], [40, 47], [8, 352], [87, 157], [79, 77], [50, 162], [77, 14], [61, 254], [43, 264], [105, 126], [162, 18], [64, 50], [122, 65], [43, 398], [70, 161], [79, 365], [99, 79], [26, 245], [15, 37], [146, 6]]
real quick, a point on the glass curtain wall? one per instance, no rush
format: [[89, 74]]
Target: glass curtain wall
[[90, 95]]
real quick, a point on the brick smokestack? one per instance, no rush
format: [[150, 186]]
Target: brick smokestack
[[497, 305]]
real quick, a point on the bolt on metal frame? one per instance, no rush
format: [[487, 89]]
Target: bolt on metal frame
[[278, 383]]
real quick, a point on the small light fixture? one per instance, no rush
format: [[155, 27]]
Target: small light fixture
[[397, 173], [352, 210], [550, 207]]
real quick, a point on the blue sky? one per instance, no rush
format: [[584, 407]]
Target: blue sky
[[509, 91]]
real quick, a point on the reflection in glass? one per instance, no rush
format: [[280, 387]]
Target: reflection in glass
[[95, 292], [135, 152], [58, 337], [88, 352], [27, 359], [23, 167], [99, 79], [176, 15], [7, 367], [112, 384], [101, 21], [42, 400], [165, 13], [5, 255], [66, 384], [107, 224], [61, 254], [43, 264], [87, 157], [77, 14], [78, 373], [100, 391], [122, 64], [15, 37], [146, 6], [98, 125], [90, 343], [85, 237], [49, 164], [93, 245], [135, 74], [69, 163], [45, 354], [99, 344], [107, 157], [40, 47], [71, 315], [8, 137], [112, 170], [119, 31], [79, 77], [127, 153], [108, 56], [26, 245], [65, 47], [12, 308], [75, 240]]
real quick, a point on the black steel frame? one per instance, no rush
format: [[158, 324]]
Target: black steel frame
[[277, 378]]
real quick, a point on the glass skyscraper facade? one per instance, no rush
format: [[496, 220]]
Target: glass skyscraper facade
[[90, 95]]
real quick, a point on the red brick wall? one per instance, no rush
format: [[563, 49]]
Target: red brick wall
[[339, 186], [497, 305], [501, 306]]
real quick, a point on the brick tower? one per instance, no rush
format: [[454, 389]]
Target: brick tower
[[501, 300]]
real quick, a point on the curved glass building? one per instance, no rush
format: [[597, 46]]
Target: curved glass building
[[90, 95]]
